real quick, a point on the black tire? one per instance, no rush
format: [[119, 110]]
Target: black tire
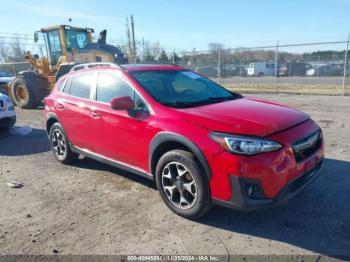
[[22, 94], [65, 156], [202, 202]]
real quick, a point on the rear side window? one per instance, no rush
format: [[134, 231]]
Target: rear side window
[[110, 85], [60, 85], [81, 85], [67, 86]]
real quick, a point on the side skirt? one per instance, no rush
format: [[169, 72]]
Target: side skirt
[[108, 161]]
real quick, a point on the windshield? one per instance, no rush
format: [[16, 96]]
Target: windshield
[[54, 44], [181, 88], [76, 39]]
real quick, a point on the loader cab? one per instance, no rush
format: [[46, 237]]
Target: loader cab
[[63, 39]]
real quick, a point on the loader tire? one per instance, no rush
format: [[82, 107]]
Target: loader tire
[[22, 95], [27, 90]]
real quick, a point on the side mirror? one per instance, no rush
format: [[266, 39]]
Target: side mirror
[[36, 37], [122, 103]]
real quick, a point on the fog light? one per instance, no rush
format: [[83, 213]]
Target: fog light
[[254, 191], [250, 190]]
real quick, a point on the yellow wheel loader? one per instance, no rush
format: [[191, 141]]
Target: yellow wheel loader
[[66, 47]]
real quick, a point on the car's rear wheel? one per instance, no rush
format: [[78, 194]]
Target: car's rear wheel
[[59, 145], [182, 184]]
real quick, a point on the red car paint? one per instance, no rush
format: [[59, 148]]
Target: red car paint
[[97, 128]]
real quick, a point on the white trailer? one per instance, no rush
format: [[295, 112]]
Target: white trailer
[[261, 69]]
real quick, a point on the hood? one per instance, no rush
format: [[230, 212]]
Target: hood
[[245, 116]]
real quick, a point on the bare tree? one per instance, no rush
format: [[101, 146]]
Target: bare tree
[[13, 51]]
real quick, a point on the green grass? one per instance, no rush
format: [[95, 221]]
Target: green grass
[[289, 89]]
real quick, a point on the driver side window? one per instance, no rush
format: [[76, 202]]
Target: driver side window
[[110, 85]]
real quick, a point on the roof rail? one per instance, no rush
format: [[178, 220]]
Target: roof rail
[[92, 65]]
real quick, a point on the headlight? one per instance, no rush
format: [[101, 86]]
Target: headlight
[[11, 108], [244, 145]]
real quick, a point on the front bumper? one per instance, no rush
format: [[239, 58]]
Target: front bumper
[[241, 201]]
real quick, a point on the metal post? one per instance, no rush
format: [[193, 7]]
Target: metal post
[[219, 65], [290, 65], [143, 49], [174, 56], [240, 67], [345, 63], [14, 69], [276, 62]]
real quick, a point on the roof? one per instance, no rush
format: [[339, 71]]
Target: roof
[[49, 28], [150, 67]]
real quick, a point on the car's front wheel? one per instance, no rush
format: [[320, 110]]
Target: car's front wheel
[[182, 184], [59, 145]]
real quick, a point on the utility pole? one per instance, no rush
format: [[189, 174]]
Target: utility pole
[[345, 63], [128, 38], [133, 37]]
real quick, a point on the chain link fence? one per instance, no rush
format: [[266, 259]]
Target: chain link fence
[[306, 68]]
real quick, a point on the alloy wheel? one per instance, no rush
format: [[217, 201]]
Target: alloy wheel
[[58, 143], [179, 185]]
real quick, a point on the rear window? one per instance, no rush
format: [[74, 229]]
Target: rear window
[[81, 85]]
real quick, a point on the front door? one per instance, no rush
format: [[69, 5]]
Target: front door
[[121, 135]]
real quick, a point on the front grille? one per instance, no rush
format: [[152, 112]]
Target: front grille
[[307, 146], [299, 182], [1, 104]]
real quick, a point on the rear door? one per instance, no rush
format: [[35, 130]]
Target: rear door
[[74, 108]]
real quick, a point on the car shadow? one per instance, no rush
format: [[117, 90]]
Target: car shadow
[[88, 163], [16, 145], [318, 219]]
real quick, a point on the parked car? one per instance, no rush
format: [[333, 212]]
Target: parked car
[[201, 143], [294, 69], [325, 70], [7, 112], [209, 71], [5, 78], [261, 69], [232, 70]]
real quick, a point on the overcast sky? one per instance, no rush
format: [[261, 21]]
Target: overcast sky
[[185, 24]]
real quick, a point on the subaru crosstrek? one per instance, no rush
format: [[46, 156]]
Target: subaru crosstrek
[[201, 143]]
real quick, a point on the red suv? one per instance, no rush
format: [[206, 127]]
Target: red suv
[[201, 143]]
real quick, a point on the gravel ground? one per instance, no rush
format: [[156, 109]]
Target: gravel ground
[[91, 208]]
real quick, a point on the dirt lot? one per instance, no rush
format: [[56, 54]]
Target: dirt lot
[[91, 208]]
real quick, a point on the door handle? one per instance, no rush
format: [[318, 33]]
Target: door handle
[[59, 106], [95, 115]]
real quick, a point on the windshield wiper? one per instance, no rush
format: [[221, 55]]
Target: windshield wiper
[[221, 98], [178, 104], [209, 100]]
